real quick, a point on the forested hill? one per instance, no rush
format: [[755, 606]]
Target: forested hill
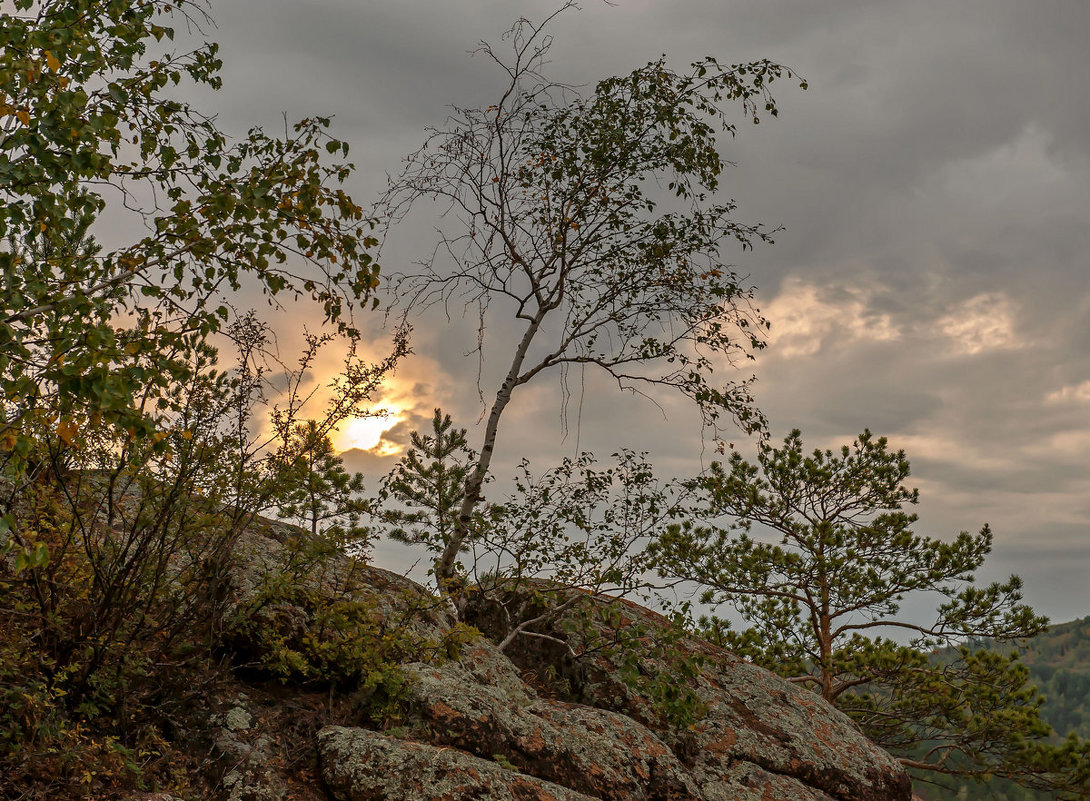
[[1059, 664], [1059, 661]]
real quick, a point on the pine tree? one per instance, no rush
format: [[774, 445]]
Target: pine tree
[[817, 555], [319, 493], [427, 486]]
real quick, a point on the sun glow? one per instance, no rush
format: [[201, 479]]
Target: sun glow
[[365, 433]]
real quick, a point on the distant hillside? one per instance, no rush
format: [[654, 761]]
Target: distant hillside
[[1059, 664], [1059, 661]]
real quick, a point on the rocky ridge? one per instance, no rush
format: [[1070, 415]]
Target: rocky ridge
[[481, 730]]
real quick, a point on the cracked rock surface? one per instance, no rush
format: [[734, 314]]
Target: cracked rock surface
[[762, 739], [362, 765], [480, 730]]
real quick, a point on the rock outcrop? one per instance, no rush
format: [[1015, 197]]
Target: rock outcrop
[[361, 765], [478, 729]]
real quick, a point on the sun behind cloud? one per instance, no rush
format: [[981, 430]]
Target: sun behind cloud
[[365, 433]]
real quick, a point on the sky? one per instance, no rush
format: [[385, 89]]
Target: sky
[[929, 283]]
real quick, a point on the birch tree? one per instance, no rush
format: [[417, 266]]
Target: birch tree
[[592, 222]]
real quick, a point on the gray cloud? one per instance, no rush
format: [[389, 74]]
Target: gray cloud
[[934, 186]]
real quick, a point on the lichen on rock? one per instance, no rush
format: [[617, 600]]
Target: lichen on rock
[[476, 722], [362, 765]]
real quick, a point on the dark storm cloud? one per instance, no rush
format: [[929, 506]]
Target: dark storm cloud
[[933, 184]]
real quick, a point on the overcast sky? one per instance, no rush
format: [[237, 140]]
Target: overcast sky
[[930, 282]]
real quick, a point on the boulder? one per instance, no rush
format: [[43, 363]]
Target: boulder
[[266, 551], [362, 765], [761, 736], [598, 752], [784, 732], [245, 753], [483, 724]]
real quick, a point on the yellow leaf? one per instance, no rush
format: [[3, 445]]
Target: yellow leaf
[[68, 431], [23, 116], [51, 61], [187, 434]]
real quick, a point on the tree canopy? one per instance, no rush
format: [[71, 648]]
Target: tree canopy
[[89, 127], [130, 460], [817, 555], [555, 222]]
